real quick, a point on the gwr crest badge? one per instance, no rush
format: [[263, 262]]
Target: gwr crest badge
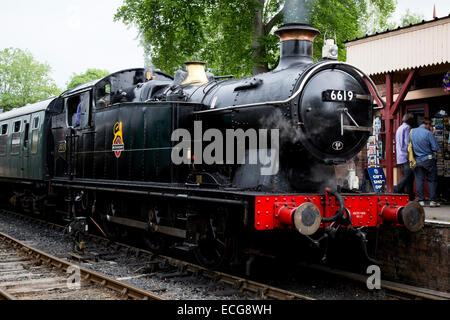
[[118, 144], [338, 145]]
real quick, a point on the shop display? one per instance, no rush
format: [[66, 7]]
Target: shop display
[[441, 130], [374, 145]]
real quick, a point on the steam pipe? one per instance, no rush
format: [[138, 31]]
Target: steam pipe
[[341, 211]]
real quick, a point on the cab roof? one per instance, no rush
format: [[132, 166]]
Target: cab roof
[[91, 84]]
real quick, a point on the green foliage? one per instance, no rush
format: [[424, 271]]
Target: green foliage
[[176, 31], [236, 37], [379, 24], [89, 75], [410, 18], [23, 80]]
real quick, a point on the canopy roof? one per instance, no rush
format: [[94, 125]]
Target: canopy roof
[[426, 44]]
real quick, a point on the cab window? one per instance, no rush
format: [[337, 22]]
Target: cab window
[[72, 104], [77, 108], [103, 95]]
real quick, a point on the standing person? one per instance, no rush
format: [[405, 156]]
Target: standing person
[[425, 145], [78, 117], [402, 141]]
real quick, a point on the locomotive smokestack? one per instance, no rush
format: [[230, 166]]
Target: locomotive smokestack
[[296, 34]]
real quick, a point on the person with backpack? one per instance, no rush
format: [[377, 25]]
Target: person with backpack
[[425, 146]]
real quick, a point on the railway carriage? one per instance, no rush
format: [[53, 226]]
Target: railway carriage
[[23, 143], [25, 157]]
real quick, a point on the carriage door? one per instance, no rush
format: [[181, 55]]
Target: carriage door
[[26, 161]]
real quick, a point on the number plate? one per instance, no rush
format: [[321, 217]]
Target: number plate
[[338, 96]]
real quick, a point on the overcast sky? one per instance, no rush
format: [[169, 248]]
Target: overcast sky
[[74, 35]]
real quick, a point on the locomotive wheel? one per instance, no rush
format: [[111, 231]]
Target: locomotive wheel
[[113, 231], [153, 242], [156, 243], [216, 247]]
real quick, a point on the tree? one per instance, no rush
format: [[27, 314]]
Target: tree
[[376, 25], [236, 36], [23, 80], [410, 18], [89, 75]]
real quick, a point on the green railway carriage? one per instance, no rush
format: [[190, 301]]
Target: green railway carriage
[[24, 143]]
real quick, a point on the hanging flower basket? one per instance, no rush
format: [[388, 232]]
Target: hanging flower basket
[[446, 82]]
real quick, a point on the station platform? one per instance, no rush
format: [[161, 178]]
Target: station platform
[[438, 214]]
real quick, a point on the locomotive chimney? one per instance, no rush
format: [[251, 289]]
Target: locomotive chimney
[[296, 34], [196, 74]]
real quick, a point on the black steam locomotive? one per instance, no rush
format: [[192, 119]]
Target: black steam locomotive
[[177, 161]]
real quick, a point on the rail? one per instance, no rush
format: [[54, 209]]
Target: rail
[[127, 291], [264, 291]]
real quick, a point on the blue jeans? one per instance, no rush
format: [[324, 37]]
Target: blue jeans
[[406, 185], [430, 168]]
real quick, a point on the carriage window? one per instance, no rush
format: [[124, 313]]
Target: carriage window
[[26, 134], [16, 137], [35, 135], [103, 95], [36, 123], [17, 126], [34, 141], [3, 139]]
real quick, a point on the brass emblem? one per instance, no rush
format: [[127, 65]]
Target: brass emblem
[[62, 147]]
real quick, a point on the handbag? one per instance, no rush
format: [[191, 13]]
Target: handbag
[[411, 158]]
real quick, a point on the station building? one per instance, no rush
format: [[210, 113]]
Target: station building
[[408, 65]]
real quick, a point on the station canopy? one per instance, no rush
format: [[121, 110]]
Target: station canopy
[[424, 46]]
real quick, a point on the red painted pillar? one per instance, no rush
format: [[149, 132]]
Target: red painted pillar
[[389, 128]]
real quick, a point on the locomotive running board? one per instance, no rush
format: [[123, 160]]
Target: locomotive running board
[[174, 232], [354, 128]]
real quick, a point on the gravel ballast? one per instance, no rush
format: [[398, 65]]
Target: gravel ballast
[[130, 269]]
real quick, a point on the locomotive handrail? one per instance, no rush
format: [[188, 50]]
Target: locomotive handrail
[[300, 89]]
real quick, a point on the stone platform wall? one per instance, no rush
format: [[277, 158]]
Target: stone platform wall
[[420, 259]]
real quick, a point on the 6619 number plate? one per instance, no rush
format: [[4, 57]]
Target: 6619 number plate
[[338, 96]]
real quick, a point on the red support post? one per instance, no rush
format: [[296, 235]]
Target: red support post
[[392, 108], [388, 116]]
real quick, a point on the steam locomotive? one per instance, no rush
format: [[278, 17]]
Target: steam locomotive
[[126, 154]]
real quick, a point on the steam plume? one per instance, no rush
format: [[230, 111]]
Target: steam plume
[[297, 11]]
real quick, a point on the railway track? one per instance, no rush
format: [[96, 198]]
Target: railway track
[[172, 267], [393, 289], [29, 274], [177, 268]]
